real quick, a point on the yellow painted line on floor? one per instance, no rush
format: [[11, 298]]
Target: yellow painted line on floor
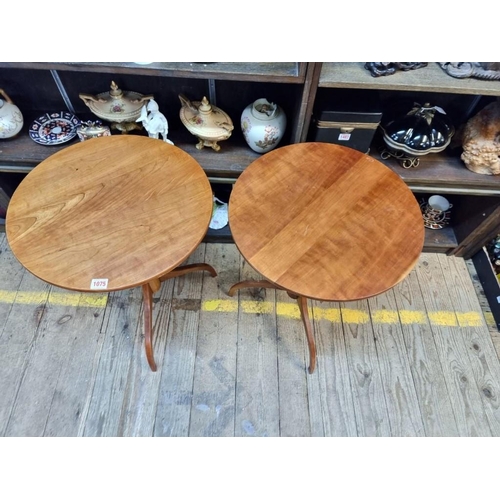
[[348, 315], [412, 317], [54, 298], [256, 306], [355, 316], [490, 319], [283, 309], [220, 305], [385, 316], [443, 318]]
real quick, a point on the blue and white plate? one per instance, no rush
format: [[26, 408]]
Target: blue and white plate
[[56, 128]]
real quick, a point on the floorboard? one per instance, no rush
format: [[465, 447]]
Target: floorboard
[[418, 360]]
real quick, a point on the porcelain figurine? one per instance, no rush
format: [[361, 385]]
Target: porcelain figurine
[[263, 124], [120, 107], [153, 121], [205, 121], [11, 118]]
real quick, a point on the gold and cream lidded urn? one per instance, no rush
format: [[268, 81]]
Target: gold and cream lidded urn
[[11, 118], [120, 107], [205, 121]]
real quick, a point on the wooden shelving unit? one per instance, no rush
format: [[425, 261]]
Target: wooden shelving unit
[[429, 79], [279, 72], [475, 219]]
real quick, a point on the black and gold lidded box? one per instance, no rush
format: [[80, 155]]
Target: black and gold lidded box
[[345, 120]]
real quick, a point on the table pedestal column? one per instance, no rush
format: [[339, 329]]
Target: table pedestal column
[[304, 313], [148, 289]]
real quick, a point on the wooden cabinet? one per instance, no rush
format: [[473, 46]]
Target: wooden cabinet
[[476, 198], [40, 87]]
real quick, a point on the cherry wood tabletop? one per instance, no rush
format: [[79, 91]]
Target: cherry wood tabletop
[[126, 209], [326, 222]]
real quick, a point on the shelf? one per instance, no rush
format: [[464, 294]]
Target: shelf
[[429, 79], [21, 154], [278, 72], [436, 172], [439, 240], [445, 173], [222, 235]]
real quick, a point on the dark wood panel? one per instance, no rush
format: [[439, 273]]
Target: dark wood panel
[[478, 223], [489, 282]]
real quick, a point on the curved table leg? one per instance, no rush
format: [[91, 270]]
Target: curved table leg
[[189, 268], [147, 295], [304, 313], [252, 284]]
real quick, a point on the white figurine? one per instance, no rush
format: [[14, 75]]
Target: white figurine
[[153, 121]]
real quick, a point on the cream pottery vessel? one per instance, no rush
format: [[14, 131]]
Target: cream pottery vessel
[[207, 122], [117, 106], [11, 118]]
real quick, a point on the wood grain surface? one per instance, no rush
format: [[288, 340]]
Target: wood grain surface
[[123, 208], [326, 222]]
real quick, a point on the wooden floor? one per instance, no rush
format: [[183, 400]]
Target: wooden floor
[[416, 361]]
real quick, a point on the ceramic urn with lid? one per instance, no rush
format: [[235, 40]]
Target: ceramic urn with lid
[[120, 107], [205, 121], [11, 118], [423, 130], [263, 124]]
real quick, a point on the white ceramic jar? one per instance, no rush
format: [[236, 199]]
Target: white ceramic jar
[[11, 118], [263, 124]]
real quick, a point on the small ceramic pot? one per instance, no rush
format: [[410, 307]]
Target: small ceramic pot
[[11, 118], [263, 124], [89, 130]]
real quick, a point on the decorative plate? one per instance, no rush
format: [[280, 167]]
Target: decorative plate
[[54, 128]]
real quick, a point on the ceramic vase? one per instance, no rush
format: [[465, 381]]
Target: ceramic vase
[[263, 124], [11, 118]]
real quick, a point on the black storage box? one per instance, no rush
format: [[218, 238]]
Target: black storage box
[[345, 120]]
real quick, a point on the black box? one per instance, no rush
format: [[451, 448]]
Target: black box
[[345, 120]]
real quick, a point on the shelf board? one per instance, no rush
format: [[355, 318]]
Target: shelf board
[[222, 235], [446, 173], [429, 79], [440, 172], [21, 154], [440, 240], [278, 72]]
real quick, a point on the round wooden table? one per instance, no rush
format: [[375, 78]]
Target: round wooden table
[[111, 213], [324, 222]]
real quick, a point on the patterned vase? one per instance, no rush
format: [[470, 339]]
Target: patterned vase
[[263, 124]]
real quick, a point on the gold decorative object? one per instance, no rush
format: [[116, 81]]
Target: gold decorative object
[[120, 107], [205, 121]]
